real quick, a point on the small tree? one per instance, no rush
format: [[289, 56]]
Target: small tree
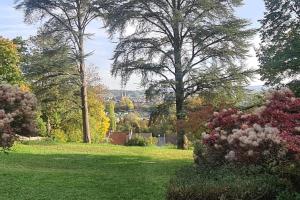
[[134, 122], [112, 115], [98, 119], [17, 114], [126, 104], [52, 74], [163, 119], [9, 62]]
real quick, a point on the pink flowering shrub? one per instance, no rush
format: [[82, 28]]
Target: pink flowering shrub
[[282, 110], [16, 114], [271, 132]]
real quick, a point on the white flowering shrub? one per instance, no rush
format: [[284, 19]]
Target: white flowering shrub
[[251, 144], [270, 133], [17, 114]]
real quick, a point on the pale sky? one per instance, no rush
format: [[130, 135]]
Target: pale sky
[[12, 25]]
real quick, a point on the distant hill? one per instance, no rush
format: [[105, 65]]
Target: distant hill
[[256, 88], [138, 94], [129, 93], [132, 94]]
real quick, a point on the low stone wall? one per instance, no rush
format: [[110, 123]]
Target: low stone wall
[[23, 138]]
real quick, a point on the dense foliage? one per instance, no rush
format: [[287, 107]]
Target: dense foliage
[[199, 109], [125, 104], [226, 182], [67, 126], [137, 141], [133, 122], [99, 122], [288, 195], [9, 62], [162, 119], [53, 76], [269, 133], [279, 53], [67, 20], [141, 141], [17, 114], [245, 151]]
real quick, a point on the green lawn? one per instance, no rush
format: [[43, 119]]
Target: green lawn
[[79, 171]]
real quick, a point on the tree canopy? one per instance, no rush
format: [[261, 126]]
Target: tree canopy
[[126, 104], [279, 54], [9, 62], [180, 47], [69, 20]]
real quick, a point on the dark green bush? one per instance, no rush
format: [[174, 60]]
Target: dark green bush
[[225, 183], [137, 141], [288, 195], [290, 171], [201, 155]]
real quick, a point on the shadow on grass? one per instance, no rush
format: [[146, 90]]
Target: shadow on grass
[[83, 176]]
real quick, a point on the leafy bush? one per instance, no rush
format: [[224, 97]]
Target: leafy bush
[[269, 133], [152, 141], [207, 156], [226, 182], [137, 141], [99, 122], [17, 114], [74, 134], [291, 171], [141, 141], [9, 62], [41, 126], [269, 136], [59, 136]]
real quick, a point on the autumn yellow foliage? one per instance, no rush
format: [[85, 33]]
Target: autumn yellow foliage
[[99, 122], [9, 62]]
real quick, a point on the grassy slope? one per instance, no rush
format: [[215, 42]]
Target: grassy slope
[[78, 171]]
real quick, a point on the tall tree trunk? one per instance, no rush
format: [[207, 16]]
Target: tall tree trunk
[[180, 114], [84, 99]]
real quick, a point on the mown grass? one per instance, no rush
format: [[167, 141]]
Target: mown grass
[[79, 171]]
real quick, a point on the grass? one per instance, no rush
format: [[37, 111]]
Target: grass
[[79, 171]]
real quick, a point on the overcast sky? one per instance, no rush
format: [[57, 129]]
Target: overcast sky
[[12, 25]]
